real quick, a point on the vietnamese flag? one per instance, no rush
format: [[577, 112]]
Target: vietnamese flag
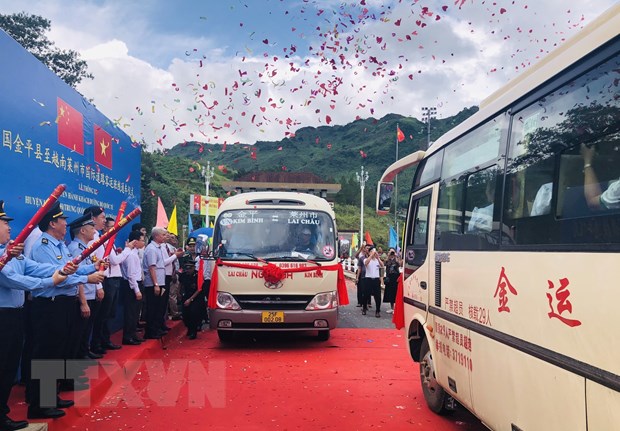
[[399, 134], [103, 147], [70, 126], [196, 204]]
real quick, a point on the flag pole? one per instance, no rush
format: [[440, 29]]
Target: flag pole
[[396, 187]]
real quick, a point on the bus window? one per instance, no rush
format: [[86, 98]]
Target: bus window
[[480, 201], [429, 170], [545, 199], [417, 240], [449, 223], [474, 150]]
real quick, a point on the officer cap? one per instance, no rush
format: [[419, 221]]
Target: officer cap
[[93, 211], [81, 221], [54, 213], [3, 215], [191, 241]]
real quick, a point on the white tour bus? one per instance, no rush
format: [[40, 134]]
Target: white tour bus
[[294, 233], [511, 278]]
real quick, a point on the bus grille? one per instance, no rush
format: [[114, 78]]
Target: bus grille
[[273, 302]]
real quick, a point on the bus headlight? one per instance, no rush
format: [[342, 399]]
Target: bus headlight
[[227, 301], [324, 301]]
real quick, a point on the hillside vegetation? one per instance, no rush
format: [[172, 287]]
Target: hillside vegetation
[[334, 153]]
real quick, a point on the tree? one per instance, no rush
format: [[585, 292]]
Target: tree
[[29, 31]]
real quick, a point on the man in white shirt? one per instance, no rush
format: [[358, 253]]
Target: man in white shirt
[[131, 288], [154, 267], [100, 341], [372, 282]]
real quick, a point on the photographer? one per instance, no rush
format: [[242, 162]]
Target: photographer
[[372, 282], [392, 272]]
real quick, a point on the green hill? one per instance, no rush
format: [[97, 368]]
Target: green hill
[[331, 152]]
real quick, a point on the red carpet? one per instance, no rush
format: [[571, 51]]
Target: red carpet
[[359, 379]]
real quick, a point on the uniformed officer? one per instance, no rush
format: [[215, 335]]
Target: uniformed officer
[[82, 231], [55, 310], [19, 275]]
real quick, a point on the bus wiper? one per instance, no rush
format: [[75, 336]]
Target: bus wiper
[[293, 258], [250, 255]]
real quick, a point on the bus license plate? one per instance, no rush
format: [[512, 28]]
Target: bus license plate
[[273, 317]]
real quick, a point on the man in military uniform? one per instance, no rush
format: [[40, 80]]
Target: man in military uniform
[[19, 275], [54, 309]]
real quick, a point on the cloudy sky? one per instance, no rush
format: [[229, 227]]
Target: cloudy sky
[[241, 71]]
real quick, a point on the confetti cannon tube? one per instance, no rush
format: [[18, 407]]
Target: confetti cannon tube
[[119, 216], [103, 238], [36, 218]]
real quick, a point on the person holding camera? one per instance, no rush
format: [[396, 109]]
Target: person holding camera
[[392, 272], [372, 282]]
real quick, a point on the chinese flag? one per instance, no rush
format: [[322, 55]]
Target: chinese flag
[[399, 134], [103, 147], [70, 127]]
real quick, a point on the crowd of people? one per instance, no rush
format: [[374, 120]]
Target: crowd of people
[[57, 310], [376, 270]]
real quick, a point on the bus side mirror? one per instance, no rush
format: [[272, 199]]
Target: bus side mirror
[[384, 198]]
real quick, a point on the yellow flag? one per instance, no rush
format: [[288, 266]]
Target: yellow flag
[[172, 225], [354, 244]]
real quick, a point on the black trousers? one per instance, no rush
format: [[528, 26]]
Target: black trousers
[[107, 311], [87, 328], [27, 350], [194, 314], [54, 331], [164, 305], [372, 288], [131, 308], [11, 342], [360, 290], [153, 311]]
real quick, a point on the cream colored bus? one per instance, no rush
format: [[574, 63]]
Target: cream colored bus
[[511, 283], [277, 264]]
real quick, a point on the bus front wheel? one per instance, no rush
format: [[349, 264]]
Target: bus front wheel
[[434, 394]]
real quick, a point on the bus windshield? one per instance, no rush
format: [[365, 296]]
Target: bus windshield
[[275, 234]]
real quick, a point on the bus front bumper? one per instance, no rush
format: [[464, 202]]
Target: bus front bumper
[[287, 320]]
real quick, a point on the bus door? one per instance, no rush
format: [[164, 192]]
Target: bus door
[[416, 263]]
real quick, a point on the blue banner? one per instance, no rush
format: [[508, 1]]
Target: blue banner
[[393, 241], [52, 135]]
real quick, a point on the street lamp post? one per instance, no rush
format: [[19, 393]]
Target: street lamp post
[[428, 113], [361, 178], [207, 173]]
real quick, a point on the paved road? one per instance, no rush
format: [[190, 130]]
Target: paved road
[[351, 316]]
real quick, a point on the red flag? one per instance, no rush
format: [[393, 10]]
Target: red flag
[[196, 204], [368, 238], [103, 147], [398, 318], [70, 127], [399, 134]]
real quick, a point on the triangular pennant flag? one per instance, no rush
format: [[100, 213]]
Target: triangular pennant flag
[[190, 226], [172, 226], [368, 238], [162, 218]]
